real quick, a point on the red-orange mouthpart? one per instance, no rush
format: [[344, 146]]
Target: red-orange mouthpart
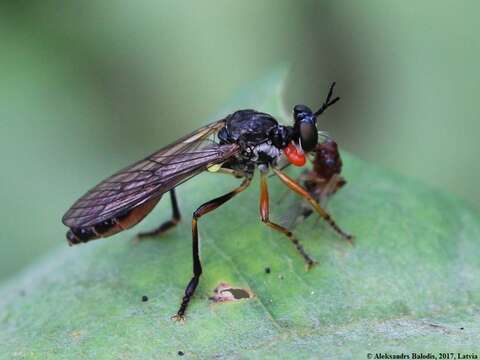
[[295, 155]]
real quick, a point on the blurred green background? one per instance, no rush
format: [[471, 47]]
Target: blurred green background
[[88, 87]]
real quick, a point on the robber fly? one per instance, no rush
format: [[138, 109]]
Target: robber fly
[[236, 144]]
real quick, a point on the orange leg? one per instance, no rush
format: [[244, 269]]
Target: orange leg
[[265, 212], [293, 185]]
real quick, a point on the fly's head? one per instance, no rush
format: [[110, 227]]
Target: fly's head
[[305, 127], [305, 132], [303, 136]]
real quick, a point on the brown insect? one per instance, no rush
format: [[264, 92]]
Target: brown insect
[[324, 179]]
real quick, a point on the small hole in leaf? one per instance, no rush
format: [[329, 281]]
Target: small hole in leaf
[[238, 293], [225, 292]]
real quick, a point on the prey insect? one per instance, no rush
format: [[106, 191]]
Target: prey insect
[[237, 144], [324, 179]]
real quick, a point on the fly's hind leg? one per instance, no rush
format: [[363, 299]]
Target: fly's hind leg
[[167, 225], [265, 216], [197, 266]]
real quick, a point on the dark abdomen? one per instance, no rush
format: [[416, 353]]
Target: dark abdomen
[[111, 226]]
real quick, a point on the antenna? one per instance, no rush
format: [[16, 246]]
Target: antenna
[[327, 102]]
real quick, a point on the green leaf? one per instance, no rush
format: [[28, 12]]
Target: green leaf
[[409, 284]]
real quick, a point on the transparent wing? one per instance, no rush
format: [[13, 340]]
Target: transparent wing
[[150, 177]]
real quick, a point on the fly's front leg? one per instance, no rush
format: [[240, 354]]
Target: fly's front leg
[[163, 228], [265, 216], [197, 266], [293, 185]]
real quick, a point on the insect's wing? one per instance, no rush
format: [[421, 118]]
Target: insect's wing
[[150, 177]]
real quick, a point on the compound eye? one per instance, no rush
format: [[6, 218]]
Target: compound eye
[[308, 136], [301, 111]]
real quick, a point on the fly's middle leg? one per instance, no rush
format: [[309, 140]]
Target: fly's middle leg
[[265, 216]]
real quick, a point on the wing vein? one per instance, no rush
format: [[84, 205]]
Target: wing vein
[[150, 177]]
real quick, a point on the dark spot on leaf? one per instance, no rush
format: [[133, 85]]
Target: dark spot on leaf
[[180, 353], [461, 328], [144, 298], [267, 270], [436, 325], [225, 292], [439, 327]]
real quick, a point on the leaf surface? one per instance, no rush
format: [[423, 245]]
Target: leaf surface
[[410, 283]]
